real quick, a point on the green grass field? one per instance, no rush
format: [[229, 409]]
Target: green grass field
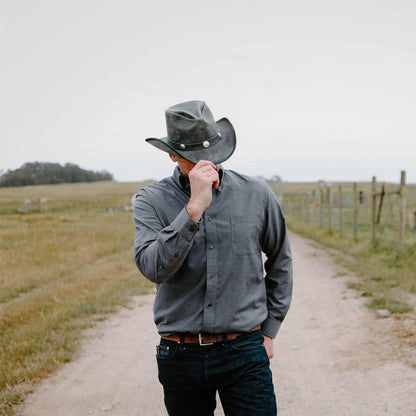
[[60, 271], [69, 266]]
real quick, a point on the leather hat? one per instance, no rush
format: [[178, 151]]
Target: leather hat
[[193, 134]]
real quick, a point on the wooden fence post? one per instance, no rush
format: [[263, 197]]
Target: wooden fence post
[[321, 208], [310, 210], [380, 205], [340, 220], [402, 221], [373, 210], [307, 209], [313, 207], [329, 207], [355, 212]]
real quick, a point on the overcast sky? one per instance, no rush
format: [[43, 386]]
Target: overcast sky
[[315, 89]]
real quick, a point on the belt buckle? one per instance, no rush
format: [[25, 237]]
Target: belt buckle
[[201, 342]]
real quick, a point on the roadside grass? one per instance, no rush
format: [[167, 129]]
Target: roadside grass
[[61, 270], [387, 279]]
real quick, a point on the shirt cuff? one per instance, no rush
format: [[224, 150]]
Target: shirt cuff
[[185, 225], [270, 327]]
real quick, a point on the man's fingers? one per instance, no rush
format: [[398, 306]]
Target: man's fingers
[[205, 172], [205, 163], [204, 169], [268, 345]]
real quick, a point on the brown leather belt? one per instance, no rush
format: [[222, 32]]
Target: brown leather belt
[[206, 339]]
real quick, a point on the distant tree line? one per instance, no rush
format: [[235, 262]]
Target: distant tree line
[[40, 173]]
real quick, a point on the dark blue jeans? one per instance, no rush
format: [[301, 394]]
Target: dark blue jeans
[[239, 370]]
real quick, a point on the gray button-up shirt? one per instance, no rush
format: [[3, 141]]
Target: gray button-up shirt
[[210, 275]]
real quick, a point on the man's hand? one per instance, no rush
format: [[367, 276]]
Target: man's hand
[[203, 177], [268, 345]]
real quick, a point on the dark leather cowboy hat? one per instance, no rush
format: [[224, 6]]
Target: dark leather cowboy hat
[[194, 135]]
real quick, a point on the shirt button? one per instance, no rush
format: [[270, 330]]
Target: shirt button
[[211, 247], [209, 219]]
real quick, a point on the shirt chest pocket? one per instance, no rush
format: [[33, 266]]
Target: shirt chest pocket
[[245, 234]]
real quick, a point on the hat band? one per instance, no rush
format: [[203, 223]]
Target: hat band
[[195, 146]]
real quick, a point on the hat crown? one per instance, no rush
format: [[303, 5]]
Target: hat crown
[[190, 122]]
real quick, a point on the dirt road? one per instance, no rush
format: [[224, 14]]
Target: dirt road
[[333, 357]]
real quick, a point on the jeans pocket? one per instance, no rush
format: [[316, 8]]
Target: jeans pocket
[[165, 351], [248, 341]]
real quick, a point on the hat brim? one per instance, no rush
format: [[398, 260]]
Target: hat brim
[[217, 153]]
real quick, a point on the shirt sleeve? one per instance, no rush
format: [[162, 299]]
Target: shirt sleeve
[[278, 266], [160, 250]]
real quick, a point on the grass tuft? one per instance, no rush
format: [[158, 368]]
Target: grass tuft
[[390, 304]]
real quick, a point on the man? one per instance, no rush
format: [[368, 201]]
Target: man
[[200, 236]]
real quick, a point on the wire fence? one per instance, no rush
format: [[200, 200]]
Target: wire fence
[[384, 214]]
